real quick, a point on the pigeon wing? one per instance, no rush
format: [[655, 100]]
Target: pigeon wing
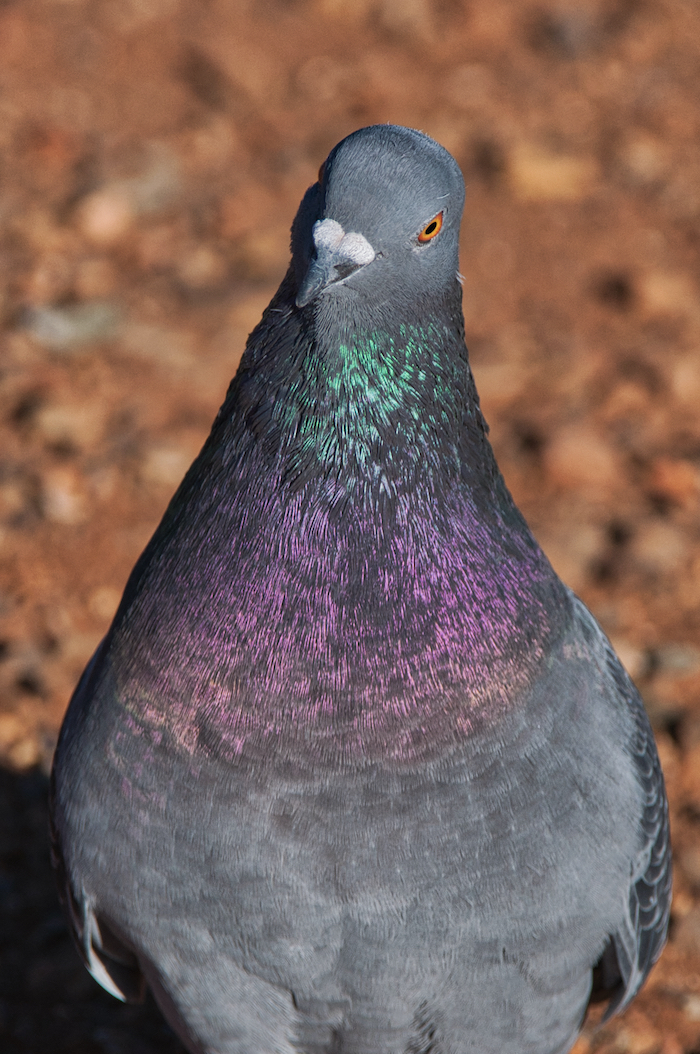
[[640, 940], [105, 954]]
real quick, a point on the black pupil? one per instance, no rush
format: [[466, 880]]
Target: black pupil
[[430, 228]]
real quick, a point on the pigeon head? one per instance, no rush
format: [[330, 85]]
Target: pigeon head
[[382, 223]]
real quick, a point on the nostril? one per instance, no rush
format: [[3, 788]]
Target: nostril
[[345, 268]]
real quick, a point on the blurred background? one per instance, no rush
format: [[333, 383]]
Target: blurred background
[[152, 156]]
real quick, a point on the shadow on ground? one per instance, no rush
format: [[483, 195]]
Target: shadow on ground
[[49, 1004]]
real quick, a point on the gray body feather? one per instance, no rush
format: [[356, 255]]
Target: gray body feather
[[377, 911]]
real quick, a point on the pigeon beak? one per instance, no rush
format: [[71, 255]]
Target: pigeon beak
[[338, 255]]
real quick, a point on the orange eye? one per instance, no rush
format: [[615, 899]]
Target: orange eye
[[431, 229], [321, 170]]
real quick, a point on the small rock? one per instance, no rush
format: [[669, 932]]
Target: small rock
[[538, 174], [499, 383], [689, 862], [165, 465], [659, 547], [687, 726], [662, 294], [678, 658], [645, 159], [685, 380], [683, 903], [12, 729], [407, 17], [78, 426], [202, 268], [66, 328], [691, 1007], [675, 479], [25, 754], [669, 754], [103, 482], [212, 145], [572, 552], [626, 400], [103, 602], [690, 792], [642, 1039], [173, 348], [18, 744], [568, 30], [579, 457], [106, 215], [62, 497], [635, 660], [77, 648]]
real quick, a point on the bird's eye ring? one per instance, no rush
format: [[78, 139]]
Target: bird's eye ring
[[431, 229]]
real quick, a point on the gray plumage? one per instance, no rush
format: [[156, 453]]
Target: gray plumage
[[353, 772]]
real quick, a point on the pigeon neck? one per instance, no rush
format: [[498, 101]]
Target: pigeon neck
[[384, 408], [347, 575]]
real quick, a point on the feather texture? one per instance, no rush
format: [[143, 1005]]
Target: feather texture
[[353, 771]]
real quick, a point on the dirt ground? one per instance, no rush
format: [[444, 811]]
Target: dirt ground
[[152, 155]]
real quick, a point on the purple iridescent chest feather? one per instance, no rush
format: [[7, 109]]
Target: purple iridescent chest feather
[[358, 573]]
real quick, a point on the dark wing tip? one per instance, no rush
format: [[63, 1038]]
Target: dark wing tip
[[640, 943]]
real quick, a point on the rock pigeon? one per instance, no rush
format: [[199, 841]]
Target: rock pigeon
[[353, 771]]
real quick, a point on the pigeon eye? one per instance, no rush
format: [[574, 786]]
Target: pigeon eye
[[431, 229], [321, 170]]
